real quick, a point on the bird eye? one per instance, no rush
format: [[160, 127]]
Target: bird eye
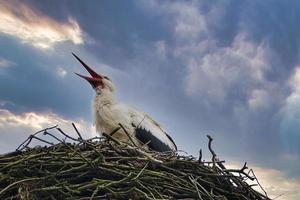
[[106, 77]]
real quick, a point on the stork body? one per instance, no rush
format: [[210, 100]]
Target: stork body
[[108, 114]]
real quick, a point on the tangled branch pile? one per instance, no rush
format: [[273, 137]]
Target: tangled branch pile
[[103, 168]]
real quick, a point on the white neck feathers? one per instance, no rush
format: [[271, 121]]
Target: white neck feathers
[[103, 98]]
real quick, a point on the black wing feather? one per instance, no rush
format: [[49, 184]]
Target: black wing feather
[[154, 143], [171, 141]]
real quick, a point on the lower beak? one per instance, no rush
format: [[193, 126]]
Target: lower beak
[[95, 82]]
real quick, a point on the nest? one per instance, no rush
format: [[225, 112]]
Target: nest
[[104, 168]]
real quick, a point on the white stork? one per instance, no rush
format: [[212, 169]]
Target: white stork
[[108, 114]]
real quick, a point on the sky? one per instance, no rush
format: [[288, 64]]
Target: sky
[[227, 68]]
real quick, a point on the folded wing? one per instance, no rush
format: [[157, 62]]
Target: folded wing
[[151, 133]]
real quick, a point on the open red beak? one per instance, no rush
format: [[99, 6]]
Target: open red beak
[[95, 80]]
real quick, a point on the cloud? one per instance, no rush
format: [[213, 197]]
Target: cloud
[[275, 182], [259, 99], [2, 103], [294, 82], [190, 24], [160, 47], [4, 63], [32, 27], [213, 71], [61, 72], [15, 128], [216, 73], [290, 113]]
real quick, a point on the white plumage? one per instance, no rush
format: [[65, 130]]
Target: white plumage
[[108, 114]]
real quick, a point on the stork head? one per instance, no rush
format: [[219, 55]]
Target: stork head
[[99, 82]]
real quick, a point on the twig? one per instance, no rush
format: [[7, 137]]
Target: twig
[[18, 182], [78, 133], [28, 140], [128, 135], [241, 171], [196, 187], [66, 135], [111, 138], [200, 156], [258, 182], [42, 140], [210, 139], [140, 172]]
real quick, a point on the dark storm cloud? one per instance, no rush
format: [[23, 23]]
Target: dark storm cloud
[[114, 27]]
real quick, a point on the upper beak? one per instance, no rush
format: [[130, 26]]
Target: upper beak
[[96, 78]]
